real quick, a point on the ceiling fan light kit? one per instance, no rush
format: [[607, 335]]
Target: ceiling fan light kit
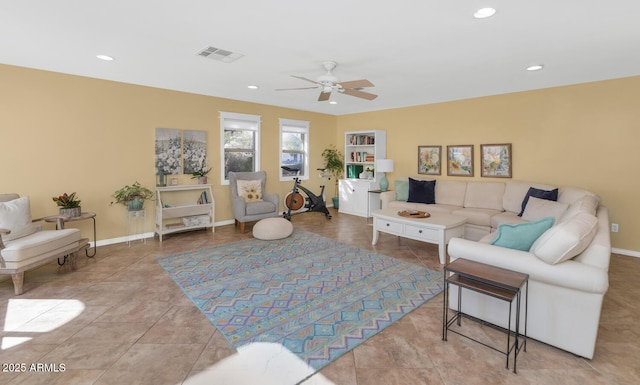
[[328, 83]]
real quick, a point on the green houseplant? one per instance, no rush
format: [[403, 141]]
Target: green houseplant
[[68, 204], [132, 196], [334, 165], [201, 174]]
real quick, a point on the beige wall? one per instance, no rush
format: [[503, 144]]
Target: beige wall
[[62, 133], [585, 135]]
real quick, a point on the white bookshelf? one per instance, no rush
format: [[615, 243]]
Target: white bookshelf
[[184, 208], [361, 149]]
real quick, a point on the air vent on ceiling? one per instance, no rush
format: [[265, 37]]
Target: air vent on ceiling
[[220, 54]]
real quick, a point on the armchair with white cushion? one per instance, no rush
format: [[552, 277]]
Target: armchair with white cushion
[[24, 247], [248, 198]]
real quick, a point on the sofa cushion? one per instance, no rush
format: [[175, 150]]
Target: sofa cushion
[[26, 250], [572, 194], [551, 195], [484, 195], [586, 204], [259, 207], [422, 191], [521, 236], [480, 217], [487, 239], [566, 240], [450, 192], [402, 190], [541, 208], [506, 217], [514, 194], [15, 215]]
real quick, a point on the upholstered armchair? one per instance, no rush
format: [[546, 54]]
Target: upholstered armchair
[[248, 198], [23, 247]]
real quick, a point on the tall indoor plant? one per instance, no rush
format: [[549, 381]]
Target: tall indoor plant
[[132, 196], [334, 165]]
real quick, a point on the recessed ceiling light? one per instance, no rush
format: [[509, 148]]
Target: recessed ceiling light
[[535, 67], [104, 57], [483, 13], [333, 102], [252, 87]]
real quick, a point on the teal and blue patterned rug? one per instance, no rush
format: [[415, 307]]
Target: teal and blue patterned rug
[[318, 297]]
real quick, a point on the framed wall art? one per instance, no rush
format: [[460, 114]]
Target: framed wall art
[[429, 160], [496, 160], [168, 151], [460, 160], [194, 151]]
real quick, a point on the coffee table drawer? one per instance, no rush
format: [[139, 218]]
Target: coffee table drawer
[[389, 227], [421, 233]]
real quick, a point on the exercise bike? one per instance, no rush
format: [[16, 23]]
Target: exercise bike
[[295, 201]]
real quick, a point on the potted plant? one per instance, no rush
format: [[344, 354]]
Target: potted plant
[[201, 174], [334, 165], [68, 204], [132, 196]]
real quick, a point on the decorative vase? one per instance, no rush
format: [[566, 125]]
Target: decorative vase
[[384, 183], [135, 204], [72, 212], [202, 180]]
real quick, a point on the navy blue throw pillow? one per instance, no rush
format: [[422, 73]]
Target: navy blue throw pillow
[[422, 191], [550, 195]]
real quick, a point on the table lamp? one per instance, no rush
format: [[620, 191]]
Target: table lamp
[[383, 166]]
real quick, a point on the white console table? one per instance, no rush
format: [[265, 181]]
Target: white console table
[[184, 208]]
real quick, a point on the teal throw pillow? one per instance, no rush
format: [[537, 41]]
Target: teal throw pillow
[[523, 235], [402, 190]]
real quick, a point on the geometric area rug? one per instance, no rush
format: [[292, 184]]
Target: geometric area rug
[[317, 297]]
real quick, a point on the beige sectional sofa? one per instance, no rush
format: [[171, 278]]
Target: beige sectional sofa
[[567, 265]]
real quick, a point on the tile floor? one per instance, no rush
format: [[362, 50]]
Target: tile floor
[[119, 319]]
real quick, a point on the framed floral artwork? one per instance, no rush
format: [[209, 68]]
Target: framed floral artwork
[[429, 160], [168, 151], [496, 160], [460, 160], [194, 151]]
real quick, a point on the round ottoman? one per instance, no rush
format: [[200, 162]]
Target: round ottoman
[[272, 228]]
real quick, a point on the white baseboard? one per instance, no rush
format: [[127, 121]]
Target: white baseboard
[[137, 237], [630, 253]]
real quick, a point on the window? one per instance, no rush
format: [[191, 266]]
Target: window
[[240, 140], [294, 148]]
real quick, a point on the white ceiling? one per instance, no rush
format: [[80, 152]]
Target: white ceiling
[[414, 51]]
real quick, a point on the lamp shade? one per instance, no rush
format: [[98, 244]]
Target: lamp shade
[[384, 165]]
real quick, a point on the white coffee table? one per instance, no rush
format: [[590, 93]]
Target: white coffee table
[[437, 229]]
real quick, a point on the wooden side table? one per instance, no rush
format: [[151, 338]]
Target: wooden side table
[[60, 220], [496, 282]]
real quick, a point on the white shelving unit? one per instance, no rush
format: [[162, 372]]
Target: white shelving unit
[[361, 149], [184, 208]]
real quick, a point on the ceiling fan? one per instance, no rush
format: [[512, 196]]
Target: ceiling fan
[[329, 83]]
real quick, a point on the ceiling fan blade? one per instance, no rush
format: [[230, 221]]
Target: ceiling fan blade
[[324, 96], [305, 79], [359, 94], [356, 84], [291, 89]]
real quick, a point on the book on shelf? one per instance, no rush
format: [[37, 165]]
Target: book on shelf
[[204, 198], [357, 156], [359, 140]]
